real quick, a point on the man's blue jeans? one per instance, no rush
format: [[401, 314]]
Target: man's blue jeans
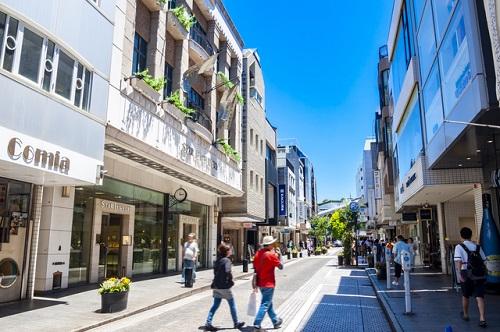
[[266, 306], [215, 306]]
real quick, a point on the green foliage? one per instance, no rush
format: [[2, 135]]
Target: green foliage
[[161, 2], [114, 285], [225, 80], [319, 228], [347, 244], [186, 20], [228, 149], [156, 83], [240, 98], [175, 99]]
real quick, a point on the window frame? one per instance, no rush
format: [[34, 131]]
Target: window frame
[[42, 65]]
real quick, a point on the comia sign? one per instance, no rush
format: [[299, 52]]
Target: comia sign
[[282, 200]]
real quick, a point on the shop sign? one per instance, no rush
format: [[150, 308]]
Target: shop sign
[[282, 200], [115, 206], [411, 179], [378, 184], [37, 154], [188, 219]]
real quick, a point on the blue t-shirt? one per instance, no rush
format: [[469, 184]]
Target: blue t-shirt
[[396, 251]]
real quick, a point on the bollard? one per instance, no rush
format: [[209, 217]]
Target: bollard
[[188, 277], [388, 256], [245, 265], [406, 262]]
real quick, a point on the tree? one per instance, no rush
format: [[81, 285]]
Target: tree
[[337, 228], [319, 228]]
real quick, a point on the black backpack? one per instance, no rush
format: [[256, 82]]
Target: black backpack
[[476, 269]]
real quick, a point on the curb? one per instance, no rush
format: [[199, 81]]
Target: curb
[[391, 317], [158, 304]]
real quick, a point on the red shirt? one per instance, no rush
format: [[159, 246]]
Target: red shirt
[[264, 263]]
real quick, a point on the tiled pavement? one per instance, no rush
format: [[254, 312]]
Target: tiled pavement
[[435, 305]]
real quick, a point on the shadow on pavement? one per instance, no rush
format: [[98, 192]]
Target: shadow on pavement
[[25, 306]]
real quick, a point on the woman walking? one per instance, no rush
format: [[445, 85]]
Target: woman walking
[[223, 281]]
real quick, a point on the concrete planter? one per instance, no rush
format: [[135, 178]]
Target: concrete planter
[[144, 89], [114, 302]]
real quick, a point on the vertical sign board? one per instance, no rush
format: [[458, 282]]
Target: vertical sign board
[[378, 185], [282, 200]]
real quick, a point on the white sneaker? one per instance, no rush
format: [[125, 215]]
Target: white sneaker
[[395, 283]]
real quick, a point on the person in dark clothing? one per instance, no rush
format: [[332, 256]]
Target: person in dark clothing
[[221, 285]]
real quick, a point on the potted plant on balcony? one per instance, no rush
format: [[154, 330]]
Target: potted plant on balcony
[[114, 294], [185, 19], [175, 99], [148, 85], [228, 149]]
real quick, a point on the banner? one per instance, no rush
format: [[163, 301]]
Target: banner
[[282, 200]]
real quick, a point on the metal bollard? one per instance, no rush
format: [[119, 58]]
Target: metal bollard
[[245, 265], [406, 262], [388, 256]]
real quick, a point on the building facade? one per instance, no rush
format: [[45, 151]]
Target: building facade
[[55, 82], [257, 208], [170, 154], [365, 184], [441, 82]]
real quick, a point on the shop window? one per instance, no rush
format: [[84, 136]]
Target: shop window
[[418, 7], [442, 12], [34, 57], [169, 77]]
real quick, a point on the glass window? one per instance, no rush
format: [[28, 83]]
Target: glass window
[[433, 105], [169, 74], [64, 80], [455, 63], [10, 44], [48, 66], [251, 179], [3, 21], [195, 100], [29, 64], [442, 12], [140, 54], [251, 136], [78, 85], [409, 136], [418, 6], [87, 89], [426, 43]]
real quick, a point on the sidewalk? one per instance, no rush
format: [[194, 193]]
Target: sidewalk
[[434, 303], [77, 309]]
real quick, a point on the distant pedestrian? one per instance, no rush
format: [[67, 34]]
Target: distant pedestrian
[[265, 262], [190, 256], [396, 252], [471, 273], [413, 251], [221, 285]]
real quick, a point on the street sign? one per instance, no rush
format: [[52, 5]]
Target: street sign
[[354, 206]]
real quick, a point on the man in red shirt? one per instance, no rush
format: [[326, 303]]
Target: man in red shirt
[[264, 263]]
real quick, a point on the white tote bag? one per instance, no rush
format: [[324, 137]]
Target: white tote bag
[[252, 304]]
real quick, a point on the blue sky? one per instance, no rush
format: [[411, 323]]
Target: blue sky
[[320, 68]]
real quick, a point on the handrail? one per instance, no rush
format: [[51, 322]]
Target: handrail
[[197, 36]]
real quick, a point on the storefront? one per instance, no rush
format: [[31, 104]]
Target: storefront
[[123, 229]]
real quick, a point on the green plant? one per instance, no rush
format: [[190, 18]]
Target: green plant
[[156, 83], [347, 244], [115, 285], [186, 20], [175, 99], [161, 2], [228, 149], [225, 80], [240, 98]]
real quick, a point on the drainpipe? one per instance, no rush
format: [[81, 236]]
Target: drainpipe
[[36, 210], [442, 245]]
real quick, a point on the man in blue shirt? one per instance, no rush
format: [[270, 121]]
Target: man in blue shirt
[[396, 252]]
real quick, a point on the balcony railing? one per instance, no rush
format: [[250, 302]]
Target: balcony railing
[[202, 40], [201, 117]]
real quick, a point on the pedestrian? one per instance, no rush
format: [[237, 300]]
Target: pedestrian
[[396, 252], [190, 256], [471, 273], [221, 285], [413, 251], [265, 262]]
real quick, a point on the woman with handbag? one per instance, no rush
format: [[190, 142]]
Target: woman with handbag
[[221, 285]]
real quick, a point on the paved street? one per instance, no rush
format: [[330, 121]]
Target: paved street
[[312, 295]]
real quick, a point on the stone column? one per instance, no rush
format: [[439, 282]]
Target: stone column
[[128, 40], [442, 245], [181, 64], [156, 47]]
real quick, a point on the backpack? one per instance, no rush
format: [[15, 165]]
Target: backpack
[[476, 269]]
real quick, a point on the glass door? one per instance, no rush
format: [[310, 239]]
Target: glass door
[[110, 251]]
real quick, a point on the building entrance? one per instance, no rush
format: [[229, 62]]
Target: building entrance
[[110, 246], [187, 225]]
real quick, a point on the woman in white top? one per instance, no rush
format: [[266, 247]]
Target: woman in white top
[[190, 255]]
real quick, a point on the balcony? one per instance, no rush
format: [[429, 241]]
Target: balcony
[[175, 28], [154, 5], [199, 46], [201, 122]]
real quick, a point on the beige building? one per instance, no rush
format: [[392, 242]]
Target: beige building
[[167, 161], [257, 206]]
